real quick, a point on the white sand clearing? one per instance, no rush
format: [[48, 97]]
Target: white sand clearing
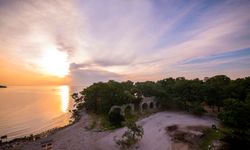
[[155, 136]]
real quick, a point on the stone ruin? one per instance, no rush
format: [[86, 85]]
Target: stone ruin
[[147, 103]]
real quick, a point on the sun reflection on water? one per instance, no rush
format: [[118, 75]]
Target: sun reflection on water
[[64, 93]]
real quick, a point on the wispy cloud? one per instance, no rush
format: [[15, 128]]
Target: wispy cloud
[[82, 75], [221, 63], [232, 55], [137, 40]]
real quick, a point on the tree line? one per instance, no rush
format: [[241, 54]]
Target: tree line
[[178, 93]]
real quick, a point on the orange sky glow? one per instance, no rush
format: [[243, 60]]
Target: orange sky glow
[[78, 42]]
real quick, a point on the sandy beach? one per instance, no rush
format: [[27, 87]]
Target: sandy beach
[[77, 137]]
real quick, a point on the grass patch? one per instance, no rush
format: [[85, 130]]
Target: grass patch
[[100, 122], [93, 120], [132, 117], [105, 123], [210, 136]]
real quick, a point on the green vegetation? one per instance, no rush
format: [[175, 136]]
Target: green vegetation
[[105, 124], [210, 136], [131, 136], [236, 116], [101, 122], [197, 109], [100, 97], [230, 97], [185, 94]]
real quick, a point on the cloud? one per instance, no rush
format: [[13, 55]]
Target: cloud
[[242, 53], [85, 76], [139, 40], [221, 63], [38, 25]]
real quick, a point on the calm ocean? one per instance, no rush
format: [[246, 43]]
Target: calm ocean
[[26, 110]]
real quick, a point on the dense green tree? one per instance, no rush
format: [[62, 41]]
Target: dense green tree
[[217, 90], [127, 85], [100, 97], [180, 92], [166, 90], [236, 115], [147, 88], [239, 88]]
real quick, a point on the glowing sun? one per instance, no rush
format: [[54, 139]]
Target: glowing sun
[[54, 62]]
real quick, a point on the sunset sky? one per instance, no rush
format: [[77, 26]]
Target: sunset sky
[[78, 42]]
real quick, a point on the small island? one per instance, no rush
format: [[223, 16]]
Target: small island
[[3, 86]]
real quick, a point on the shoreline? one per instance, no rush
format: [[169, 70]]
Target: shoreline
[[35, 137], [77, 135]]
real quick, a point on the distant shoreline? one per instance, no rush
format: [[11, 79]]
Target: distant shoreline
[[34, 137], [3, 86]]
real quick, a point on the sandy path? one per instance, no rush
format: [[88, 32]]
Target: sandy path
[[76, 137]]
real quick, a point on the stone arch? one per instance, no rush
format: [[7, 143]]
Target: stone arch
[[150, 102], [128, 110], [116, 116], [123, 108], [144, 106], [116, 108], [129, 106]]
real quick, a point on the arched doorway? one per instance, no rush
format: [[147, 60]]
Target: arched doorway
[[151, 105], [116, 117], [144, 106], [117, 110]]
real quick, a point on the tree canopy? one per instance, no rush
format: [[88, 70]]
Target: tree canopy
[[177, 93], [100, 97]]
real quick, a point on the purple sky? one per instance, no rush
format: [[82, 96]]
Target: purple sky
[[97, 40]]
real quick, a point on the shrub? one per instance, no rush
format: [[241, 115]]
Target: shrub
[[131, 136]]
